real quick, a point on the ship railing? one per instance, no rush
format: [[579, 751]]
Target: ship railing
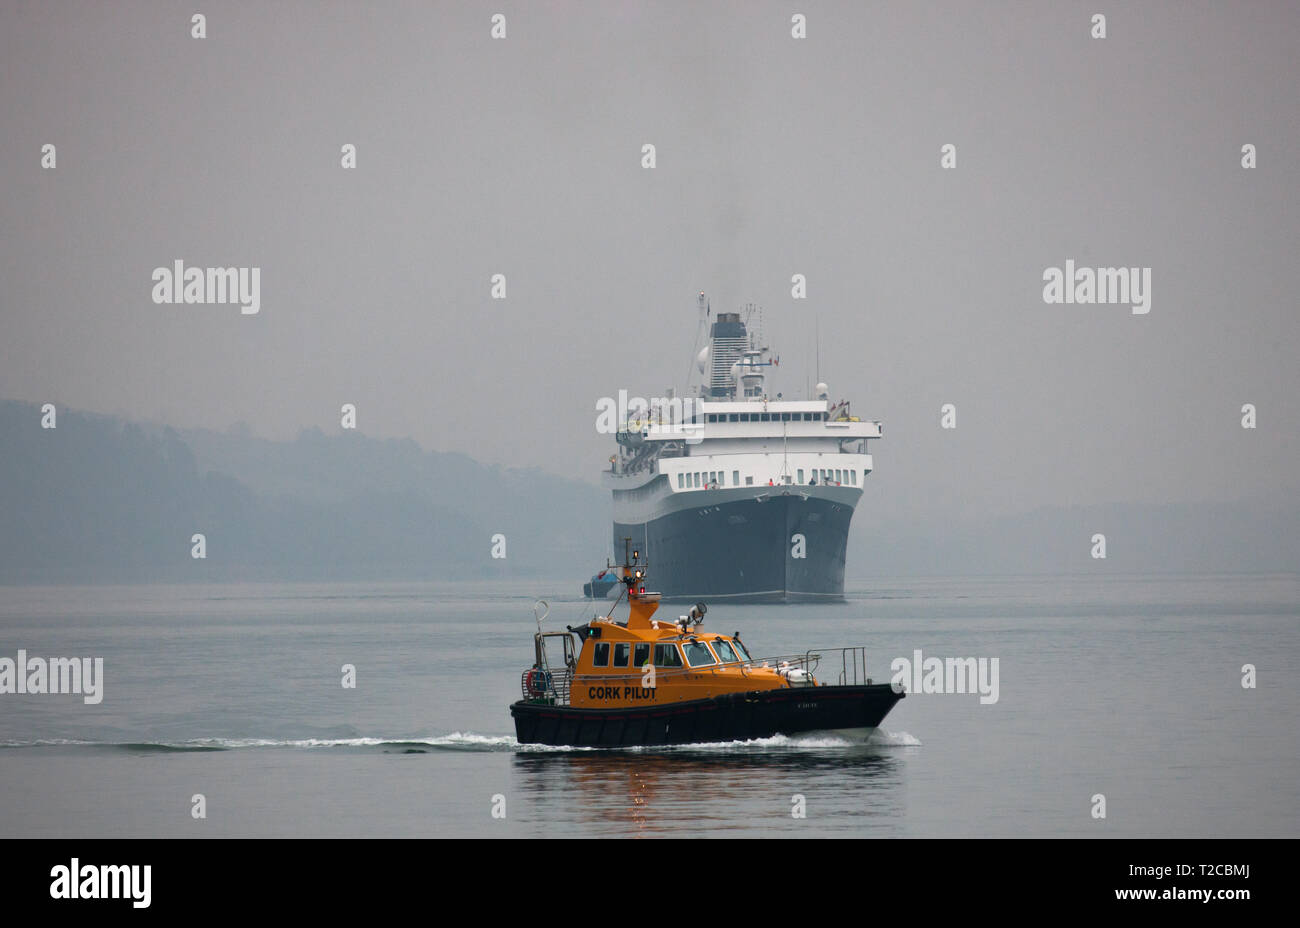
[[851, 672], [636, 677], [556, 689], [853, 664], [852, 669]]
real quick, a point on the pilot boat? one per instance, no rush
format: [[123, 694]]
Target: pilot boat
[[646, 681]]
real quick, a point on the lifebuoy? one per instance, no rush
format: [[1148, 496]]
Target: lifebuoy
[[537, 682]]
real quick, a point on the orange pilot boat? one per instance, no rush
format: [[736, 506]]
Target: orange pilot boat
[[652, 682]]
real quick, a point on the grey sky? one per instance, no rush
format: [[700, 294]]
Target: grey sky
[[775, 156]]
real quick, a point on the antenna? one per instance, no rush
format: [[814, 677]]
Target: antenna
[[817, 327]]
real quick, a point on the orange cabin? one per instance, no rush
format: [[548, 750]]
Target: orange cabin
[[644, 661]]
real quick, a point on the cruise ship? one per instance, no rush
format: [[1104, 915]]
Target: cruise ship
[[731, 493]]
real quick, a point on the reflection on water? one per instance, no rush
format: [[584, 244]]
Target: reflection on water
[[724, 790]]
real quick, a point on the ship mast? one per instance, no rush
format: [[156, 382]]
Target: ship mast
[[704, 312]]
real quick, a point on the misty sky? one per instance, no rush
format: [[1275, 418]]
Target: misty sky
[[775, 156]]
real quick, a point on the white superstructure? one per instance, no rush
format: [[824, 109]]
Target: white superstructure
[[733, 434]]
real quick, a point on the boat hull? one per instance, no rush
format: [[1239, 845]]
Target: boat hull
[[594, 589], [756, 544], [731, 717]]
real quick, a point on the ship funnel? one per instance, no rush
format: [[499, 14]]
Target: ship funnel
[[728, 340]]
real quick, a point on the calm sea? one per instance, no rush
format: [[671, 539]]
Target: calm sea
[[1127, 687]]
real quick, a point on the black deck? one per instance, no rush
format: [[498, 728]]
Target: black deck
[[734, 717]]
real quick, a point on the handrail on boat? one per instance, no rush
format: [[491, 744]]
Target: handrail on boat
[[558, 683]]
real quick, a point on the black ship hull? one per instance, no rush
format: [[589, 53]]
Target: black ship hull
[[596, 589], [783, 544], [732, 717]]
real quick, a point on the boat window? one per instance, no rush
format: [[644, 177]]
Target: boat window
[[621, 652], [698, 654], [801, 475], [666, 656], [697, 479], [601, 654], [735, 478], [733, 418], [723, 649], [749, 481], [681, 481], [741, 650], [640, 654], [744, 417], [765, 417]]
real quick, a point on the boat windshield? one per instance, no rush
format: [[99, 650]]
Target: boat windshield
[[725, 654], [740, 649], [698, 654]]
